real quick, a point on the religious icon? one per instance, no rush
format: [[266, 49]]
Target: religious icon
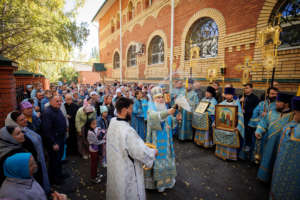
[[246, 77], [201, 108], [167, 97], [226, 117]]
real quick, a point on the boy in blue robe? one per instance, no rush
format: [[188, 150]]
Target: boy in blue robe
[[137, 121], [286, 176], [145, 110], [270, 127]]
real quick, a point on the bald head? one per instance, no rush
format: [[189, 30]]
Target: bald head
[[68, 98]]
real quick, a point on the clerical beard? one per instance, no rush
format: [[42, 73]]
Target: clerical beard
[[160, 106]]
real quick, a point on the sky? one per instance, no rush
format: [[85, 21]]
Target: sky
[[86, 14]]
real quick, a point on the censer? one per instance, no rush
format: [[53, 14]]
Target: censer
[[152, 146]]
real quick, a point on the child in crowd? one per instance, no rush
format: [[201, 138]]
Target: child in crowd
[[95, 139], [103, 123]]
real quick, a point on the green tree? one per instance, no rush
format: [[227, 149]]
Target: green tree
[[68, 74], [35, 29]]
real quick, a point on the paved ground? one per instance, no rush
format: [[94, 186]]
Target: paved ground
[[200, 176]]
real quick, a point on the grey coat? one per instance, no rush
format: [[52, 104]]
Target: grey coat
[[22, 189]]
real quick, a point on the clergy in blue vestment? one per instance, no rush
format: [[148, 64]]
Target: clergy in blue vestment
[[137, 121], [271, 128], [228, 143], [160, 123], [260, 111], [185, 131], [202, 122], [286, 176], [177, 91]]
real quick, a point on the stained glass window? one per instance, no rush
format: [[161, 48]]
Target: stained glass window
[[204, 34], [156, 51], [289, 22], [131, 56], [116, 60]]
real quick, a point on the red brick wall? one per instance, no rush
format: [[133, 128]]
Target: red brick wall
[[7, 92], [88, 77], [236, 57], [239, 15]]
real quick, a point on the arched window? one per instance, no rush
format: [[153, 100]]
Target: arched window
[[116, 60], [130, 11], [289, 22], [131, 56], [156, 51], [204, 34]]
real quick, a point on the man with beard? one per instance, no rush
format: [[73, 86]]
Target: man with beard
[[264, 107], [126, 155], [260, 111], [159, 132], [270, 128], [228, 142], [185, 129]]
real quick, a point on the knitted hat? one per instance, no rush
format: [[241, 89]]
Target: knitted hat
[[229, 90], [211, 90], [25, 105], [296, 103], [283, 97]]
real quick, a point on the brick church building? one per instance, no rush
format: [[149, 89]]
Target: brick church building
[[225, 31]]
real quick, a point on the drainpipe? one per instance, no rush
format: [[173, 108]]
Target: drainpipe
[[172, 46], [121, 46]]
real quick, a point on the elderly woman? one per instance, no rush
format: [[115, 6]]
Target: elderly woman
[[83, 114], [11, 139], [17, 119], [19, 183], [33, 121]]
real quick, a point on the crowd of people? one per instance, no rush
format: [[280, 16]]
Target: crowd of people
[[130, 129]]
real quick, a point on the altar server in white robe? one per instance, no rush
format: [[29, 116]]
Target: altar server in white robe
[[126, 155]]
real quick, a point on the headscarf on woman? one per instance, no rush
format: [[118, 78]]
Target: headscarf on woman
[[19, 184], [38, 146], [17, 166]]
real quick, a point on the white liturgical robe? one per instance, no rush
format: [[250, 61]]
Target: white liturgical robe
[[126, 155]]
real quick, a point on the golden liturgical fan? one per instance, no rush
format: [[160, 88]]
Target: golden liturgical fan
[[152, 146]]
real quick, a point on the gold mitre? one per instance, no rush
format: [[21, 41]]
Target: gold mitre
[[156, 91]]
